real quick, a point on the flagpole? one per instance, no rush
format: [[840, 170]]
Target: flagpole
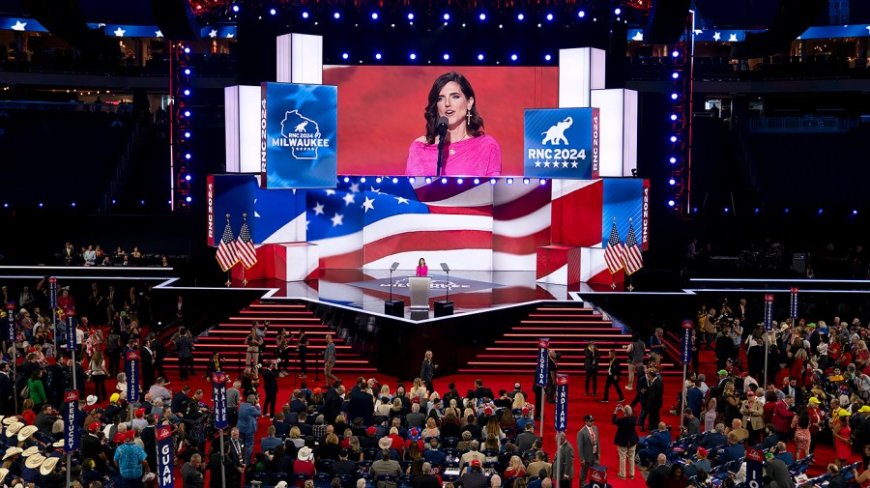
[[630, 286], [244, 278]]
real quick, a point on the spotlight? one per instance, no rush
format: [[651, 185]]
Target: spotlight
[[412, 56], [114, 201], [482, 16], [673, 138], [675, 54], [675, 96], [187, 71], [785, 210], [187, 178], [305, 14], [526, 181], [726, 209], [671, 203], [378, 56], [673, 160], [514, 57], [347, 179], [446, 16], [187, 156], [821, 211], [188, 199], [187, 50], [378, 179], [345, 55], [542, 181], [673, 117], [757, 210], [492, 181], [412, 179], [581, 14], [549, 17], [187, 135], [446, 57], [547, 57], [375, 16], [672, 182], [617, 11], [336, 15], [460, 181], [675, 75], [40, 205], [272, 11], [510, 181], [186, 92], [362, 180], [520, 17], [73, 204], [235, 8], [477, 181], [141, 202], [395, 180], [443, 181], [410, 15], [480, 57], [854, 211], [187, 113], [428, 180]]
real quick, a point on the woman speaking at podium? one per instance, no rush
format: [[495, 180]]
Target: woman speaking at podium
[[422, 269], [452, 114]]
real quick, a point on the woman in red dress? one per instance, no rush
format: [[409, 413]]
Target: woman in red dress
[[842, 441]]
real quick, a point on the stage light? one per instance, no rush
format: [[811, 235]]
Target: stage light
[[40, 205], [410, 15], [514, 57], [671, 203], [675, 75], [362, 179], [672, 182], [114, 201], [443, 181], [336, 15], [186, 92], [235, 8], [187, 113], [187, 50], [673, 138], [581, 14], [510, 181], [821, 211], [345, 55], [141, 202], [477, 181], [492, 181], [673, 117], [542, 182], [378, 179], [482, 16], [412, 56], [73, 204], [526, 181], [347, 179], [617, 11], [673, 160], [305, 14], [187, 156], [446, 16], [395, 180], [187, 178], [757, 210], [785, 210], [520, 17], [726, 209], [428, 180], [460, 181], [272, 11], [854, 212], [375, 16], [446, 57], [187, 135], [480, 57], [187, 71], [547, 57], [188, 199], [550, 17], [675, 54], [412, 179], [378, 56], [675, 96]]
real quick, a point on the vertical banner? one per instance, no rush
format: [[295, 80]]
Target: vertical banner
[[754, 468], [219, 396], [542, 371], [164, 456], [52, 293], [70, 332], [131, 367], [71, 434], [794, 305], [687, 342], [768, 312], [561, 402], [10, 324], [561, 143]]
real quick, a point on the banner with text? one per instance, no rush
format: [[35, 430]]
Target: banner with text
[[132, 369], [561, 143], [164, 457], [687, 342], [542, 372], [219, 395], [561, 402], [298, 135], [71, 434], [10, 323], [768, 312]]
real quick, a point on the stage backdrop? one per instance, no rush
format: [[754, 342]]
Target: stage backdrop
[[381, 110]]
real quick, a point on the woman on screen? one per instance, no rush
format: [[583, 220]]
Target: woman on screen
[[468, 151], [422, 269]]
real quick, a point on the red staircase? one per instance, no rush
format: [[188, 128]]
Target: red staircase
[[569, 327], [228, 337]]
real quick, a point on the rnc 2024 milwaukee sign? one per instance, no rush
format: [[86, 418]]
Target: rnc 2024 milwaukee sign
[[561, 143], [298, 135]]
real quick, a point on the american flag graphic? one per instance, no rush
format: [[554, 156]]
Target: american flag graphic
[[632, 254], [226, 251], [614, 252], [245, 249], [469, 226]]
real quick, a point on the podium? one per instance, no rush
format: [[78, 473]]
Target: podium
[[419, 287]]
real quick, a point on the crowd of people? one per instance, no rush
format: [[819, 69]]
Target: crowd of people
[[95, 255]]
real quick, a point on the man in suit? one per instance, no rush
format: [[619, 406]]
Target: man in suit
[[588, 447], [656, 443], [385, 466], [565, 461], [249, 412], [614, 370], [6, 391], [654, 397], [777, 470], [590, 367], [640, 395], [191, 476], [146, 354]]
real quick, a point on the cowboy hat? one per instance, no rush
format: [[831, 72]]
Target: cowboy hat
[[13, 429], [34, 461], [12, 451], [3, 473], [57, 443], [48, 465], [305, 454], [26, 431], [30, 451]]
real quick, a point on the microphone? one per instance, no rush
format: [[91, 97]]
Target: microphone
[[441, 129]]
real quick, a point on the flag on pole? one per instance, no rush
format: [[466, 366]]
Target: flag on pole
[[226, 255], [614, 251], [633, 257], [244, 247]]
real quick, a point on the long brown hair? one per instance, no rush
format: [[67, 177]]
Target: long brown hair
[[474, 124]]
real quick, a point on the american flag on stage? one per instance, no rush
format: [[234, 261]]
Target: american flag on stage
[[372, 224], [245, 249], [632, 254], [226, 251], [614, 252]]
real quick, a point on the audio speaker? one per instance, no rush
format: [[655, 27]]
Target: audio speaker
[[667, 21], [443, 308], [175, 19], [396, 308]]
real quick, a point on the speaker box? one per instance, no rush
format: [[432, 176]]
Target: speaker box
[[175, 19], [443, 308], [667, 21], [396, 308]]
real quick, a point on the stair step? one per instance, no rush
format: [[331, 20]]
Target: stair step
[[275, 312], [562, 322], [596, 330], [276, 320], [552, 335]]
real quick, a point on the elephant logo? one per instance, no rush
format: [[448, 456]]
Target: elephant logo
[[555, 135]]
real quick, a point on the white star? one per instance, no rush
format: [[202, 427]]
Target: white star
[[119, 32], [638, 36], [212, 33], [717, 36], [318, 209], [546, 164], [229, 35], [337, 220], [732, 38], [354, 187], [368, 204], [537, 164], [348, 199], [565, 164], [19, 26], [402, 200], [375, 190], [158, 33], [574, 164], [329, 193]]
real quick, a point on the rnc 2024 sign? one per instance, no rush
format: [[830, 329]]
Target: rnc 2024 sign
[[561, 143], [297, 135]]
